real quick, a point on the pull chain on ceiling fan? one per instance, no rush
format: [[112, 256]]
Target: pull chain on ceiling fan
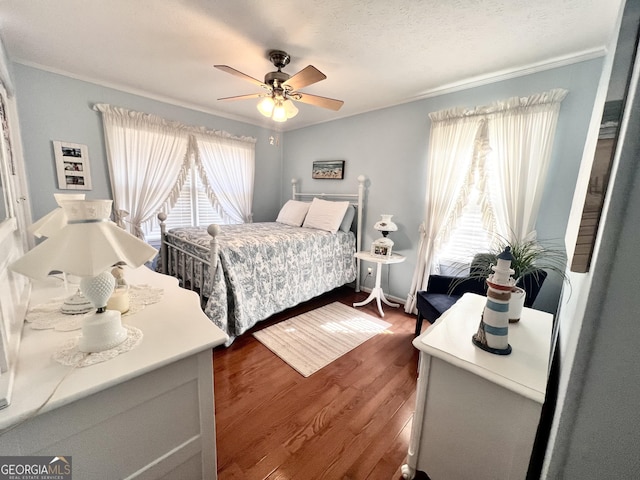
[[282, 89]]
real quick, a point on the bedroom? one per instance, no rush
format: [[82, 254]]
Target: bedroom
[[57, 107]]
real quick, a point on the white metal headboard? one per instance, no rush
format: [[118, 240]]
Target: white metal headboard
[[355, 199]]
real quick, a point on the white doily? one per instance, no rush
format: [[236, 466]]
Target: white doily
[[48, 315], [70, 356]]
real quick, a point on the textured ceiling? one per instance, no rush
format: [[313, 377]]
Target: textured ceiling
[[375, 53]]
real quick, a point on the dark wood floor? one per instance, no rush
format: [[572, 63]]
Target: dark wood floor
[[350, 420]]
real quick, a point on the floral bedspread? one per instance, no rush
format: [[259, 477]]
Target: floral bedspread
[[265, 268]]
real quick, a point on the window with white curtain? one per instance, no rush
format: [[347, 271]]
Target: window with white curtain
[[193, 207], [519, 132], [154, 163], [467, 238], [470, 235]]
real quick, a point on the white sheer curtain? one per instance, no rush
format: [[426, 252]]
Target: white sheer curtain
[[451, 150], [148, 163], [521, 133], [228, 164]]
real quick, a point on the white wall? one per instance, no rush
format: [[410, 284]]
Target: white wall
[[596, 429], [599, 429]]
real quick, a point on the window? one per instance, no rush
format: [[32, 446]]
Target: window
[[469, 236], [193, 208], [146, 156]]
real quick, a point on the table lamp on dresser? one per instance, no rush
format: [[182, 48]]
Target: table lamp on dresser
[[88, 246]]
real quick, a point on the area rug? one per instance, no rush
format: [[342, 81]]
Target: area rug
[[314, 339]]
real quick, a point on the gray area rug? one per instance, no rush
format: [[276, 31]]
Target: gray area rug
[[314, 339]]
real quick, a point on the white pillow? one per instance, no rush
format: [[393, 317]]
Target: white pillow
[[293, 213], [325, 215]]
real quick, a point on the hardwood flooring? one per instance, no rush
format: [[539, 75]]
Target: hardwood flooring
[[350, 420]]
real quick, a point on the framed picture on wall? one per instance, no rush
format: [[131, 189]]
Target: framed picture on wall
[[72, 166], [328, 169]]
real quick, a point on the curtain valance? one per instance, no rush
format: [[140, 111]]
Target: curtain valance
[[554, 96], [150, 118]]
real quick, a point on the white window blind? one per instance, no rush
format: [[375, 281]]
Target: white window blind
[[466, 239], [469, 236], [193, 207]]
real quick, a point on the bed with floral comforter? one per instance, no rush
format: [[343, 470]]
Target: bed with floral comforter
[[264, 268]]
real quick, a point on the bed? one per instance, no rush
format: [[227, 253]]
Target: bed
[[245, 273]]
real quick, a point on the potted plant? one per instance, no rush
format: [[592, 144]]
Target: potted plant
[[532, 260], [529, 257]]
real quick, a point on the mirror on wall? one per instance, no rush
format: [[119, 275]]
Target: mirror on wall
[[623, 61]]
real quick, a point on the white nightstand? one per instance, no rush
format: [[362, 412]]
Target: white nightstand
[[376, 292]]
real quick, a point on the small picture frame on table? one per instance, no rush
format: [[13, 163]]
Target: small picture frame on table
[[72, 166], [381, 248]]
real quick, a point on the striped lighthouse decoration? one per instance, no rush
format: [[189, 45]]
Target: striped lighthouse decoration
[[493, 332]]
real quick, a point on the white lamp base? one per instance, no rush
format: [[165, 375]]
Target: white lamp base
[[101, 331], [76, 304]]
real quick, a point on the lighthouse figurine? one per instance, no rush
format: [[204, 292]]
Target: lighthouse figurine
[[493, 332]]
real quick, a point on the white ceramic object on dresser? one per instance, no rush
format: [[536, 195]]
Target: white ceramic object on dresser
[[477, 413], [148, 413], [376, 293], [516, 303]]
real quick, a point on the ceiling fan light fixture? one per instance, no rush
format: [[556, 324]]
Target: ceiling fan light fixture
[[283, 88], [266, 106], [279, 113], [289, 108]]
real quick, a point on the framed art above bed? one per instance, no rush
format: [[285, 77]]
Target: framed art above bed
[[328, 169]]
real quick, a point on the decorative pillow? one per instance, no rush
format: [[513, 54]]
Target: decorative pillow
[[293, 213], [345, 226], [325, 215]]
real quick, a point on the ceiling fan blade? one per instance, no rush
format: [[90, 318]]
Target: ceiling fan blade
[[233, 71], [304, 77], [243, 97], [317, 101]]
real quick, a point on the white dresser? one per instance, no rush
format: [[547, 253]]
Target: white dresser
[[477, 413], [148, 413]]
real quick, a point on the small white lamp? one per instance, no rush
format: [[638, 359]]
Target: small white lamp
[[87, 246], [382, 247], [47, 226]]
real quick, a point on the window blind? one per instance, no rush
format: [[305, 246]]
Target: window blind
[[192, 208]]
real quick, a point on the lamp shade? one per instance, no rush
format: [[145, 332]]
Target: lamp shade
[[277, 108], [265, 106], [385, 224], [279, 112], [53, 221], [87, 245], [289, 108]]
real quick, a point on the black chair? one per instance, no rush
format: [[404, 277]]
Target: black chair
[[440, 296]]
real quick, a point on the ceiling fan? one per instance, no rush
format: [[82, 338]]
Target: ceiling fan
[[281, 89]]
